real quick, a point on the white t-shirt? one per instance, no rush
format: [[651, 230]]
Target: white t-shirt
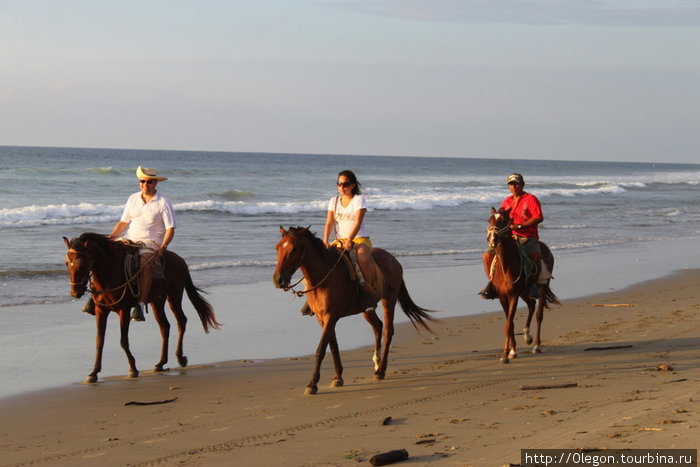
[[345, 217], [148, 221]]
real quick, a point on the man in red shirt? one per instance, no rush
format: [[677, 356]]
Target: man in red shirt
[[525, 215]]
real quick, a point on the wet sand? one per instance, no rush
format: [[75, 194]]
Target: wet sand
[[618, 370]]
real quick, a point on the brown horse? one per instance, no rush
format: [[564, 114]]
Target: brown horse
[[508, 273], [98, 265], [332, 295]]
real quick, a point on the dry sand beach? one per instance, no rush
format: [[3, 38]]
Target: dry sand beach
[[630, 357]]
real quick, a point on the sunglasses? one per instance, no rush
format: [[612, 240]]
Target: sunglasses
[[344, 184], [147, 182]]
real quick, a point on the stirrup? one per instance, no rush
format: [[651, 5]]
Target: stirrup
[[367, 303], [137, 313], [488, 292], [89, 307], [534, 292]]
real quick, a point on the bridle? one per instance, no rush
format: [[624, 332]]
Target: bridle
[[300, 293], [89, 262], [130, 284], [500, 233]]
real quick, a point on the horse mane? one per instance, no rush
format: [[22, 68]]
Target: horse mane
[[104, 243], [316, 242]]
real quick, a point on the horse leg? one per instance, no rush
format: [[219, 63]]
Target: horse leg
[[335, 351], [539, 317], [509, 345], [176, 307], [124, 321], [376, 324], [101, 316], [164, 326], [328, 328], [389, 307], [530, 312]]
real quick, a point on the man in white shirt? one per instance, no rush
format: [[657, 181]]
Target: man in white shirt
[[148, 219]]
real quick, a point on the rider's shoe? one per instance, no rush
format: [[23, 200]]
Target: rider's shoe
[[488, 292], [534, 292], [137, 313], [367, 303], [306, 310], [89, 307]]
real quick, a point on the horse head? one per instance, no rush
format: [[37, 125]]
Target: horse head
[[79, 264], [290, 254], [499, 226]]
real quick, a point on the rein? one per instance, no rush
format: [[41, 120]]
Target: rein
[[301, 293], [500, 232], [504, 232], [130, 284]]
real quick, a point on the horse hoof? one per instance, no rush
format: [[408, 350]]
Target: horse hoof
[[91, 379], [337, 383], [134, 374], [378, 377], [310, 391], [159, 369], [182, 361], [536, 350], [512, 354], [528, 340], [505, 360]]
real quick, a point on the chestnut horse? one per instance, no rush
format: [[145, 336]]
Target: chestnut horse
[[508, 273], [332, 294], [97, 264]]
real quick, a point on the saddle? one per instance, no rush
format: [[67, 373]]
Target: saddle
[[376, 287], [528, 268], [132, 265]]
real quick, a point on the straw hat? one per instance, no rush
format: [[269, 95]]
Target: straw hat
[[143, 173]]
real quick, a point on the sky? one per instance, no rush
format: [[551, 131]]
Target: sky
[[607, 80]]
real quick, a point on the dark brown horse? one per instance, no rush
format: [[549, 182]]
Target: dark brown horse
[[508, 272], [332, 295], [97, 264]]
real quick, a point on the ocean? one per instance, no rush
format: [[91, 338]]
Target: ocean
[[430, 212]]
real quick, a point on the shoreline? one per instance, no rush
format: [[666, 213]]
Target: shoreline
[[52, 345], [450, 401]]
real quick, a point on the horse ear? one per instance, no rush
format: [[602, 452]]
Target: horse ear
[[282, 231], [65, 240], [493, 210]]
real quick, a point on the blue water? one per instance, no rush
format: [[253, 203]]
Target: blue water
[[430, 212]]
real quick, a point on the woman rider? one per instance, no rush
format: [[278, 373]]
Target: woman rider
[[346, 216]]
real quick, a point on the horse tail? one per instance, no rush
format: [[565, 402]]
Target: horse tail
[[203, 307], [550, 297], [416, 314], [548, 258]]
